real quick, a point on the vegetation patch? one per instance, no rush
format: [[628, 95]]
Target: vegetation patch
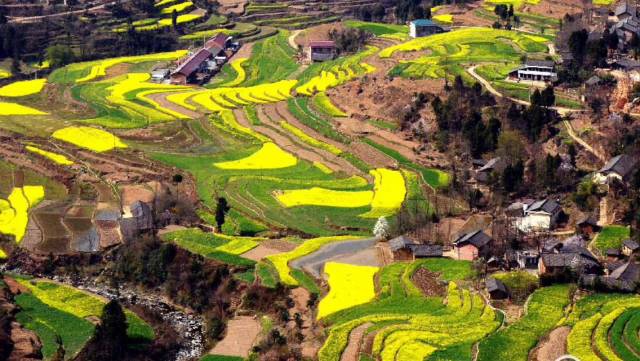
[[269, 156], [17, 109], [349, 286], [55, 157], [611, 237], [94, 139], [23, 88], [14, 212]]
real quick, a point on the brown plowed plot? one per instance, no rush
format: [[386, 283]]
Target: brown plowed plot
[[400, 148], [316, 33], [428, 283], [261, 252], [352, 351], [372, 156], [555, 8], [552, 346], [239, 338], [161, 98]]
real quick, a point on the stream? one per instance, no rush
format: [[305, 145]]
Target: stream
[[190, 327]]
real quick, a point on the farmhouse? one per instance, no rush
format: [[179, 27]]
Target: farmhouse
[[536, 70], [624, 278], [322, 50], [137, 219], [472, 245], [620, 167], [568, 259], [538, 216], [424, 27], [186, 71], [527, 259], [627, 25], [496, 289], [630, 247], [404, 249], [483, 174]]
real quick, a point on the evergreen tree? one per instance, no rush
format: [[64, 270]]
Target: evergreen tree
[[221, 210], [110, 337]]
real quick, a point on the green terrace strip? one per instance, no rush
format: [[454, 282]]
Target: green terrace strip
[[52, 310], [211, 246], [271, 60], [378, 29], [323, 103], [545, 309], [299, 107], [611, 237], [603, 325], [410, 326], [433, 177]]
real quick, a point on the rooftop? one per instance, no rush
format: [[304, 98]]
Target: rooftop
[[621, 164]]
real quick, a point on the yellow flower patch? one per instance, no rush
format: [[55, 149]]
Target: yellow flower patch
[[270, 156], [323, 168], [238, 245], [177, 7], [14, 213], [23, 88], [349, 286], [93, 139], [241, 74], [444, 19], [138, 81], [389, 193], [17, 109], [4, 74], [100, 67], [56, 158], [186, 18], [324, 197]]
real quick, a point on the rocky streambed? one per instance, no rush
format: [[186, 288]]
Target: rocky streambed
[[190, 327]]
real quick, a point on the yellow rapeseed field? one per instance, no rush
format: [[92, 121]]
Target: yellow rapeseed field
[[90, 138], [17, 109], [4, 74], [389, 193], [56, 158], [242, 75], [349, 286], [23, 88], [14, 214], [101, 66], [177, 7], [324, 197], [186, 18], [270, 156]]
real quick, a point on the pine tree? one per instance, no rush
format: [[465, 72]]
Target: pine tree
[[110, 337]]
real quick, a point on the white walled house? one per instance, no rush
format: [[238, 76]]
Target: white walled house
[[539, 216], [424, 27], [619, 168]]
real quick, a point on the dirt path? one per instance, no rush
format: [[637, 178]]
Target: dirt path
[[580, 141], [292, 39], [161, 99], [241, 334], [34, 19], [472, 71], [352, 351], [552, 346]]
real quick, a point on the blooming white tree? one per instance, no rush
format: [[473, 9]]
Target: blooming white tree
[[381, 229]]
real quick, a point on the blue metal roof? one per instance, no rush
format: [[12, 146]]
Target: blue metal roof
[[423, 22]]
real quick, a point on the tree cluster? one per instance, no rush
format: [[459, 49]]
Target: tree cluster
[[349, 40]]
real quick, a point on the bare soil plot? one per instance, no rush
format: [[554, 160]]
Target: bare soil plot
[[232, 6], [239, 338], [316, 33], [552, 346], [260, 252], [555, 8], [161, 98]]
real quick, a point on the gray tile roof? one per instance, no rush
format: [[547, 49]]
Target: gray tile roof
[[426, 250], [547, 205], [399, 243], [631, 244], [572, 258], [478, 238], [540, 63], [491, 165], [495, 285], [627, 272], [621, 164]]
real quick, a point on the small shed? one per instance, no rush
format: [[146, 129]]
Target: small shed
[[426, 250], [613, 253], [472, 245], [630, 247], [424, 27], [497, 290], [322, 50], [401, 248]]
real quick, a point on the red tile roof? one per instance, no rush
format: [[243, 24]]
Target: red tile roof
[[191, 64], [218, 41]]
